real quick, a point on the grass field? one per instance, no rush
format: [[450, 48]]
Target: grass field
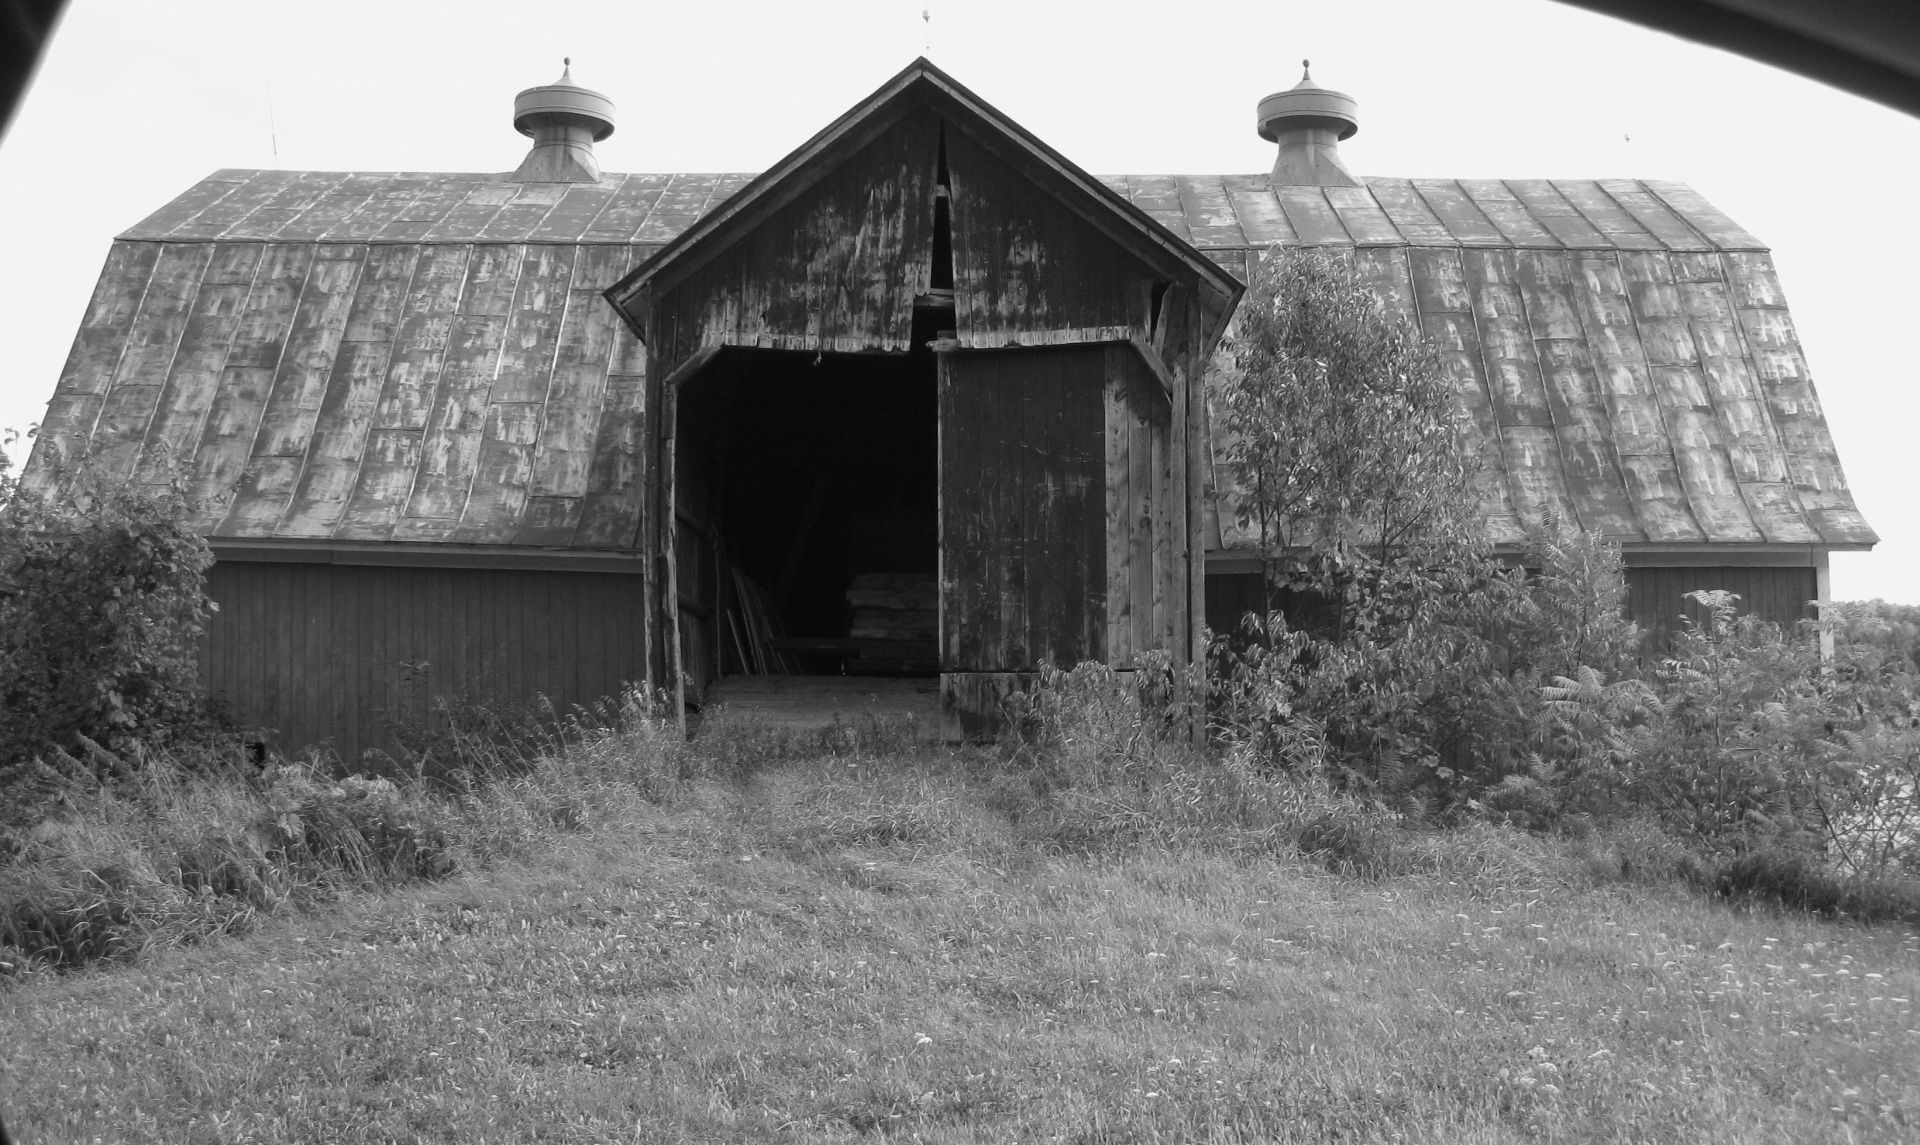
[[847, 948]]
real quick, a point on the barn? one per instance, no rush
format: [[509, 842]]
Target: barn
[[924, 401]]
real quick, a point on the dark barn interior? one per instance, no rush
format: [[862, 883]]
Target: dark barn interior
[[808, 500]]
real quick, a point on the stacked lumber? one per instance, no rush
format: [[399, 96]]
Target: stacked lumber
[[755, 632], [894, 621]]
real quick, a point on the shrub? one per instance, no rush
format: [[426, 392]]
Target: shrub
[[1452, 679], [1743, 746], [102, 603]]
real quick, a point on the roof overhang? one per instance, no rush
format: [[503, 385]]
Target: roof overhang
[[423, 555], [1633, 555]]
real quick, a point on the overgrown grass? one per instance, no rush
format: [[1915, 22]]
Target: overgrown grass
[[832, 938], [179, 850]]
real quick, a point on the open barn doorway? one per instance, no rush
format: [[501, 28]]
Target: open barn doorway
[[807, 516]]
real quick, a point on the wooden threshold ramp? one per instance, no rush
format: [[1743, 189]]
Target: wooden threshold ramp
[[811, 703]]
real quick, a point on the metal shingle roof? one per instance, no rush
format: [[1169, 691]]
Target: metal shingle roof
[[426, 357]]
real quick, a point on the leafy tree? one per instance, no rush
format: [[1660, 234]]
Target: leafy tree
[[1341, 426], [102, 603]]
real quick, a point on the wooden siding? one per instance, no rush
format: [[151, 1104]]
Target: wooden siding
[[837, 267], [330, 654], [1023, 523], [1145, 582], [1656, 597], [1028, 268]]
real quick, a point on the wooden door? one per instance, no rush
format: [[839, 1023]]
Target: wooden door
[[1023, 531]]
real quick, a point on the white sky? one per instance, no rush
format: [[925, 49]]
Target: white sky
[[138, 99]]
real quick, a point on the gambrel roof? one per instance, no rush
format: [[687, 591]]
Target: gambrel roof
[[405, 357], [1623, 350]]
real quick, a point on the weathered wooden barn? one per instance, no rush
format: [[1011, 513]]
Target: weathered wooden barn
[[923, 399]]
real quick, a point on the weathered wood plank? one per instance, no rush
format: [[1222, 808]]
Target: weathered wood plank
[[1117, 424], [1008, 231], [1168, 595], [973, 704]]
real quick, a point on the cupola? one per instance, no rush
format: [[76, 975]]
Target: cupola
[[565, 121], [1308, 122]]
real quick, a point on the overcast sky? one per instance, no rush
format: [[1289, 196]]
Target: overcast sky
[[138, 99]]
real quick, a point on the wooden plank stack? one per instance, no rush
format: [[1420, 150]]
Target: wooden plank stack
[[894, 622], [754, 631]]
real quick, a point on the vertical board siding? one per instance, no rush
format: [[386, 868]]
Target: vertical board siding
[[1656, 597], [335, 654], [837, 268], [1023, 469], [1028, 269]]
